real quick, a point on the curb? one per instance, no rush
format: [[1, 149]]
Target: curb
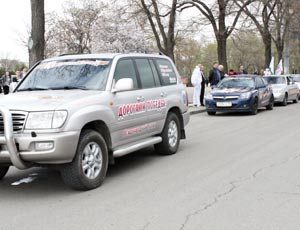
[[197, 111]]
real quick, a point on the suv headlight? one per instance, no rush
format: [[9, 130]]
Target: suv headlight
[[209, 96], [46, 120], [245, 95]]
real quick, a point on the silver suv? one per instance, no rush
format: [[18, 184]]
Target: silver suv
[[79, 112]]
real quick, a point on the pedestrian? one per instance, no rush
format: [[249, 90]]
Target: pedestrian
[[204, 83], [214, 75], [267, 72], [222, 73], [262, 72], [24, 72], [231, 72], [196, 80], [242, 70], [6, 79], [15, 81]]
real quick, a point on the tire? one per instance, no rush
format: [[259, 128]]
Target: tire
[[3, 171], [211, 113], [254, 107], [297, 99], [170, 136], [285, 100], [89, 166], [270, 106]]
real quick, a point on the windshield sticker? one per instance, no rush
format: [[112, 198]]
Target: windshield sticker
[[50, 65], [141, 107], [139, 129]]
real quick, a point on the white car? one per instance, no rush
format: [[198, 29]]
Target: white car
[[284, 88]]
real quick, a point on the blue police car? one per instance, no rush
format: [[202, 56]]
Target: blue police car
[[242, 93]]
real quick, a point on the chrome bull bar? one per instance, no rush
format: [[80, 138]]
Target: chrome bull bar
[[9, 140]]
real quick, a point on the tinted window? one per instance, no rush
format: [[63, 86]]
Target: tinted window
[[166, 71], [125, 69], [68, 74], [145, 73], [154, 71]]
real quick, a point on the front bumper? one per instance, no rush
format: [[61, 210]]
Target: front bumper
[[278, 97], [237, 106], [20, 151]]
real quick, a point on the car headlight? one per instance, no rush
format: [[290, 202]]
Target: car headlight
[[46, 120], [209, 96], [245, 95]]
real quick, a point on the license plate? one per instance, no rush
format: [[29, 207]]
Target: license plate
[[224, 104]]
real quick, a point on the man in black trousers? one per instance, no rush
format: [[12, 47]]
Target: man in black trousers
[[203, 83]]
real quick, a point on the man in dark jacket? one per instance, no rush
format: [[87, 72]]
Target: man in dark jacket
[[203, 83], [214, 75]]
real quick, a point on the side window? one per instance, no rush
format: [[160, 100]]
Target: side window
[[259, 83], [125, 69], [155, 73], [166, 72], [265, 81], [145, 73]]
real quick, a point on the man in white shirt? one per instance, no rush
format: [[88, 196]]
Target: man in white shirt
[[196, 80]]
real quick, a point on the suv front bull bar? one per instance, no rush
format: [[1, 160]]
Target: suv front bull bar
[[9, 141]]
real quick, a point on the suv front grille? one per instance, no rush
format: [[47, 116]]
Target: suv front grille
[[19, 119]]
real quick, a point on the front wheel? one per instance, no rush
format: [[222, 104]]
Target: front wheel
[[254, 107], [285, 100], [270, 106], [170, 136], [89, 167], [3, 171]]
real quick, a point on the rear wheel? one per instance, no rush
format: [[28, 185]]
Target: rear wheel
[[254, 107], [296, 100], [89, 167], [270, 106], [211, 113], [285, 100], [170, 136], [3, 171]]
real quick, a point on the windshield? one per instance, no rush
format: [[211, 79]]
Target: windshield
[[275, 80], [296, 78], [68, 74], [236, 83]]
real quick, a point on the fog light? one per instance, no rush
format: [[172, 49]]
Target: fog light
[[42, 146]]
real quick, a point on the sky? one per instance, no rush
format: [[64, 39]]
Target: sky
[[15, 19]]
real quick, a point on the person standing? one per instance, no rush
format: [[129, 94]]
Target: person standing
[[15, 81], [196, 80], [242, 70], [222, 73], [214, 75], [203, 83], [6, 79]]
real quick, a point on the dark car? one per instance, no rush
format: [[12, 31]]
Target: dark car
[[245, 93]]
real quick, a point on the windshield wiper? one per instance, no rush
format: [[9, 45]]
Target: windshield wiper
[[32, 89], [70, 87]]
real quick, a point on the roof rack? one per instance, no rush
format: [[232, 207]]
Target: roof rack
[[65, 54]]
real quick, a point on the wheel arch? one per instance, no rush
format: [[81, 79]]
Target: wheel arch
[[177, 111]]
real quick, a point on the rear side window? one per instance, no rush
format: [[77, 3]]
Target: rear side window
[[125, 69], [260, 83], [145, 73], [166, 71]]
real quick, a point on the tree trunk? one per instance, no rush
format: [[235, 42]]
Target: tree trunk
[[36, 53], [267, 39], [222, 52]]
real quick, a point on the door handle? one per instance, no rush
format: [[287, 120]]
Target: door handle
[[163, 94], [140, 98]]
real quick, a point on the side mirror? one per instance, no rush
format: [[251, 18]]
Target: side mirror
[[124, 84]]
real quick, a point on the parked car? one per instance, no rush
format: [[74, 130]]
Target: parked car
[[78, 112], [284, 89], [296, 79], [242, 93]]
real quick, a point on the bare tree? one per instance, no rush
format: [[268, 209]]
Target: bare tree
[[36, 53], [217, 14], [162, 18]]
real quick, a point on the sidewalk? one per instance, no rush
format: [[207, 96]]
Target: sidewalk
[[192, 108]]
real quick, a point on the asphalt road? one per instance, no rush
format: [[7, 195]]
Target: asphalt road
[[234, 172]]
